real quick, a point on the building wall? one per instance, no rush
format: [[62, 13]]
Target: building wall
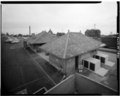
[[86, 55], [70, 66], [65, 87], [87, 86], [67, 66], [57, 61]]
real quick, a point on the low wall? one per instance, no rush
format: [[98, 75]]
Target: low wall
[[80, 84], [87, 86], [64, 87], [108, 50]]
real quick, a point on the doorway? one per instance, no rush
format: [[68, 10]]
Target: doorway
[[76, 62]]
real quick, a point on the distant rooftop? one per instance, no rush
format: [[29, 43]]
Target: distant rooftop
[[43, 37]]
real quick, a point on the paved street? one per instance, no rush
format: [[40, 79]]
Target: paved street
[[20, 70]]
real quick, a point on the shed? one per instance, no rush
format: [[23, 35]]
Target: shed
[[41, 39], [68, 51], [44, 37]]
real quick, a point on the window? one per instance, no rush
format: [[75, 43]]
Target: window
[[92, 66], [102, 60], [86, 64], [97, 57]]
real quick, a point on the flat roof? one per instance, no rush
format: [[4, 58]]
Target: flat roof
[[92, 60], [102, 54]]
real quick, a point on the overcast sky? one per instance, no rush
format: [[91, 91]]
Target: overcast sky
[[16, 18]]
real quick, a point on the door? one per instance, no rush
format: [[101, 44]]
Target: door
[[76, 62]]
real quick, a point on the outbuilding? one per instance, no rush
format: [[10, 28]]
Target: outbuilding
[[68, 51], [41, 39]]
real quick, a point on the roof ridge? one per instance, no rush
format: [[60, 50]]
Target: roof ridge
[[39, 36], [66, 44]]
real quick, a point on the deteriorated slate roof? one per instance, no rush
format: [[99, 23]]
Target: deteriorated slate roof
[[43, 37], [71, 44], [30, 39], [33, 37]]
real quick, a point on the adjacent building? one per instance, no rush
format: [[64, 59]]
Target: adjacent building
[[94, 33], [60, 34], [40, 39], [69, 51]]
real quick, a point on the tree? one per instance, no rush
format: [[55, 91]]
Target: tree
[[93, 33], [20, 35], [7, 34]]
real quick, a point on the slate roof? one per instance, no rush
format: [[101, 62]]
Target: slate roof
[[29, 39], [71, 44], [43, 37]]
